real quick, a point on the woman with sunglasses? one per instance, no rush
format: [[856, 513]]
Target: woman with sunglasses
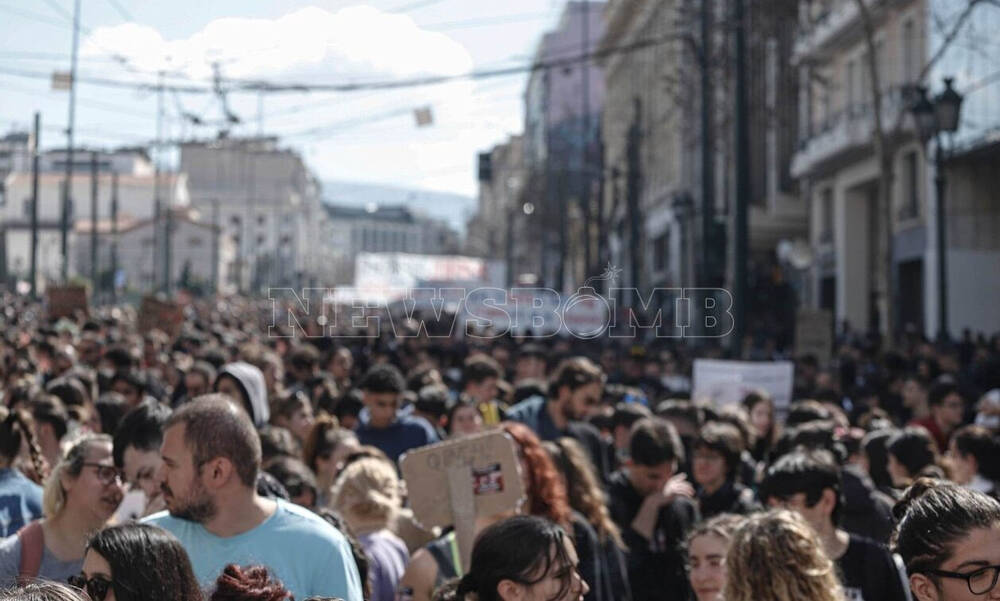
[[80, 495], [949, 539], [136, 562]]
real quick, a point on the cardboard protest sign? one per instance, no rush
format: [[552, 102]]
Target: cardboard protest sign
[[155, 314], [453, 482], [64, 301], [727, 382], [814, 334]]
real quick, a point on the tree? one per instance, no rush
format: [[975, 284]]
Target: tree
[[886, 141]]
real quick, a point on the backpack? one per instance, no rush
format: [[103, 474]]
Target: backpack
[[32, 539]]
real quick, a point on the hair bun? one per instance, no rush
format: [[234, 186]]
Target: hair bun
[[918, 489]]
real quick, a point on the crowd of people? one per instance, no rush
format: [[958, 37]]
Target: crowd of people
[[235, 461]]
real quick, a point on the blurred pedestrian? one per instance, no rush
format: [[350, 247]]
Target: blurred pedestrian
[[776, 556]]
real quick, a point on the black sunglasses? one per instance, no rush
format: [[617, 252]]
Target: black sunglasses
[[97, 587]]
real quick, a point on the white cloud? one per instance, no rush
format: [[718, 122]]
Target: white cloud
[[357, 43]]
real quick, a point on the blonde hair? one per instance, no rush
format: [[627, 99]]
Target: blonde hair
[[71, 464], [368, 489], [776, 556]]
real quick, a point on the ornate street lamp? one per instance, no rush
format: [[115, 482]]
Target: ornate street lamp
[[931, 120]]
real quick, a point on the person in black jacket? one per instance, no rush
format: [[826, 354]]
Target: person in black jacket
[[809, 483], [715, 464], [653, 507]]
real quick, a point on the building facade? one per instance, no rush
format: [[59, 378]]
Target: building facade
[[267, 203], [562, 157], [669, 145], [200, 256], [497, 230], [349, 231], [917, 43], [126, 175]]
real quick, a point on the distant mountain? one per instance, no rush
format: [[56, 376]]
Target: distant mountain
[[453, 208]]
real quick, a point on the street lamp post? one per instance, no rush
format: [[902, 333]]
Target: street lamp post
[[932, 119]]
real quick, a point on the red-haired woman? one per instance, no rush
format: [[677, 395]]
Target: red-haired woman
[[439, 562]]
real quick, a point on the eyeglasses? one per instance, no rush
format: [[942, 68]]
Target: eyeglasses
[[97, 587], [107, 474], [980, 582]]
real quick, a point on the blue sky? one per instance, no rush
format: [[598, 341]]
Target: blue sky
[[363, 136]]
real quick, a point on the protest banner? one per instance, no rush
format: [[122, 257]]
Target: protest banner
[[155, 314], [727, 382], [64, 301], [814, 334], [453, 482]]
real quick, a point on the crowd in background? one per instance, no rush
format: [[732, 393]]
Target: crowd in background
[[234, 460]]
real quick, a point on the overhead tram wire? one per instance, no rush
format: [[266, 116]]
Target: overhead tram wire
[[121, 10], [415, 5], [31, 15], [237, 85], [478, 95], [98, 104]]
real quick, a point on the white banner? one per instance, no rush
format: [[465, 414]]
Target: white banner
[[727, 382]]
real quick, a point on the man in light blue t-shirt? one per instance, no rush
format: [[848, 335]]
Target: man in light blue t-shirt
[[211, 456]]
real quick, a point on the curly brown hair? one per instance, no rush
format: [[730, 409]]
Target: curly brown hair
[[546, 493], [776, 556], [252, 583]]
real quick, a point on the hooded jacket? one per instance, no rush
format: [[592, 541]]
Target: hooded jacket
[[251, 380]]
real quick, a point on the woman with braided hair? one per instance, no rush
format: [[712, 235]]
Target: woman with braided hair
[[20, 497], [80, 496]]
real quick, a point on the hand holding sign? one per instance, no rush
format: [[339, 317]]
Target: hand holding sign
[[454, 482]]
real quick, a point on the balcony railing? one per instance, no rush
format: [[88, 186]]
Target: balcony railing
[[846, 130], [830, 25]]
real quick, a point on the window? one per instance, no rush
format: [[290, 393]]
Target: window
[[235, 220], [852, 100], [147, 242], [909, 52], [194, 241], [880, 65], [910, 208], [661, 246], [261, 220], [826, 228], [260, 240]]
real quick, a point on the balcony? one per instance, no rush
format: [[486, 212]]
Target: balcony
[[837, 26], [847, 131]]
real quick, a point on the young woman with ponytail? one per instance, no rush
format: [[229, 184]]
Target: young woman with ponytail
[[523, 557], [20, 497], [546, 497], [949, 539]]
